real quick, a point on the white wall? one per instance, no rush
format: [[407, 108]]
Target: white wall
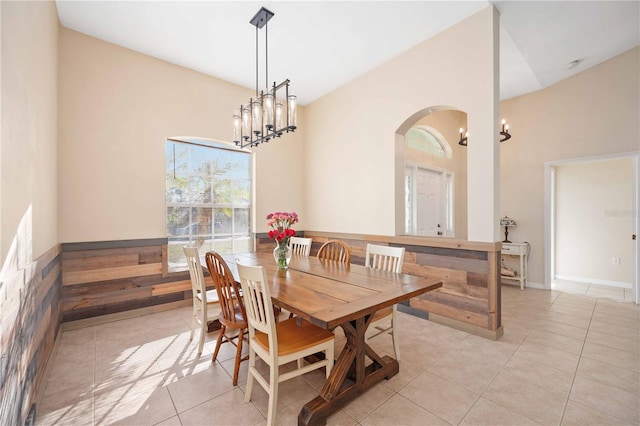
[[593, 221]]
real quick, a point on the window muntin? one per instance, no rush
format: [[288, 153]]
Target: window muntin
[[208, 199], [423, 140]]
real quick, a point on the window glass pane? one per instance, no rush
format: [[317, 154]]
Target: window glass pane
[[423, 140], [222, 191], [241, 221], [199, 189], [208, 197], [223, 244], [201, 220], [408, 203], [222, 218], [177, 159], [242, 244], [242, 192], [177, 221]]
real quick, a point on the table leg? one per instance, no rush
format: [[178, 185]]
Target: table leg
[[350, 376]]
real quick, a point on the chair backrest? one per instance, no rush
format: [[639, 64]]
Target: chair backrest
[[300, 245], [228, 290], [384, 258], [335, 250], [257, 302], [195, 273]]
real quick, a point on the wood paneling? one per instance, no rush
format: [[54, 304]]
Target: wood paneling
[[469, 271], [29, 320], [107, 277]]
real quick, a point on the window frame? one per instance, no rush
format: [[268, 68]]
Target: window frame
[[208, 238]]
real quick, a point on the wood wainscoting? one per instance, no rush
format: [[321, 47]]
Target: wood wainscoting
[[29, 322], [111, 277], [470, 296], [126, 278]]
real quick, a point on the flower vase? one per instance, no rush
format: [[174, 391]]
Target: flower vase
[[282, 255]]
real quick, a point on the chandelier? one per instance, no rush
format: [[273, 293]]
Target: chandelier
[[504, 134], [273, 111]]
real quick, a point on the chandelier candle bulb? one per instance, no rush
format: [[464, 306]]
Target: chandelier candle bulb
[[268, 110], [256, 115], [279, 118], [246, 124], [291, 109], [237, 125]]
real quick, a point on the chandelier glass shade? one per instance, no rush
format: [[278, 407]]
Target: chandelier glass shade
[[273, 110], [504, 134]]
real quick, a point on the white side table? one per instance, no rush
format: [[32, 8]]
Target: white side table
[[521, 250]]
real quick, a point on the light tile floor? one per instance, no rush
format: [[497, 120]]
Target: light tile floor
[[594, 290], [564, 359]]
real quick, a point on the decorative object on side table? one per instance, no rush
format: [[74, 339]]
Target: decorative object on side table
[[280, 224], [507, 222]]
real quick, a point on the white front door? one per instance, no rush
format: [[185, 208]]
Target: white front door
[[428, 198]]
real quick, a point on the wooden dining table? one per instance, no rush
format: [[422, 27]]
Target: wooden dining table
[[332, 294]]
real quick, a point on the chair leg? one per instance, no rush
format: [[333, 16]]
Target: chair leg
[[236, 368], [193, 322], [221, 336], [203, 331], [250, 378], [273, 395]]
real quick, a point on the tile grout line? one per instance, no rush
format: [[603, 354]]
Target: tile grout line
[[575, 373]]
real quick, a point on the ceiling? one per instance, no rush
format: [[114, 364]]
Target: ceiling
[[322, 45]]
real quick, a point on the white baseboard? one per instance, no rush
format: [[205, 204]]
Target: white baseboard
[[619, 284]]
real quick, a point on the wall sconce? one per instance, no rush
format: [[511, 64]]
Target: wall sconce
[[507, 222], [504, 134]]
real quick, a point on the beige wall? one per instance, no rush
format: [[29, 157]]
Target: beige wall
[[28, 184], [592, 113], [116, 109], [593, 221], [29, 316], [350, 135]]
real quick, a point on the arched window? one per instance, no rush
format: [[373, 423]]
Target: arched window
[[429, 140]]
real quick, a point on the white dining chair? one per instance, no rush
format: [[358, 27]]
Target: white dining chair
[[278, 343], [300, 245], [203, 300], [389, 259]]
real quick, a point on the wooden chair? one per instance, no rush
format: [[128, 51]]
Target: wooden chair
[[390, 259], [278, 343], [203, 300], [335, 250], [301, 246], [232, 316]]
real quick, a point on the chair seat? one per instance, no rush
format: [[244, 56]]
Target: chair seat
[[212, 296], [239, 320], [382, 313], [294, 338]]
